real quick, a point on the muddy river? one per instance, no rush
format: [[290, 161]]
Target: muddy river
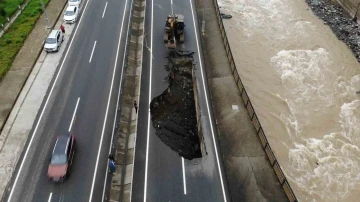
[[302, 82]]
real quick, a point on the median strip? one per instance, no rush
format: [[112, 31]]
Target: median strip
[[125, 141]]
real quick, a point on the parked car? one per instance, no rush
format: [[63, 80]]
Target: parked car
[[61, 158], [71, 14], [74, 2], [53, 41]]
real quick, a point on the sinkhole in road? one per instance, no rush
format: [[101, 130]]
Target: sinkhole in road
[[175, 114]]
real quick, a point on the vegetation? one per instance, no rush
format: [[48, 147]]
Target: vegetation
[[8, 8], [12, 41]]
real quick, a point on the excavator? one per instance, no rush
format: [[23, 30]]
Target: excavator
[[174, 30]]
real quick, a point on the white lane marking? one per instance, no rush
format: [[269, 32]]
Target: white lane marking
[[108, 103], [184, 179], [50, 196], [73, 117], [43, 110], [207, 105], [92, 52], [150, 81], [117, 103], [104, 10]]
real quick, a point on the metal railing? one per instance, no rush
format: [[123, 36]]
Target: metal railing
[[254, 119]]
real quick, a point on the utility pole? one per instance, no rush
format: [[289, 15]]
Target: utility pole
[[46, 18], [203, 21]]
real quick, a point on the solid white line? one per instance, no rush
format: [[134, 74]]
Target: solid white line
[[50, 197], [150, 81], [184, 179], [73, 117], [92, 52], [117, 103], [108, 104], [104, 10], [43, 110], [207, 105]]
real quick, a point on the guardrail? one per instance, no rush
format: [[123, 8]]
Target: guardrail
[[254, 119]]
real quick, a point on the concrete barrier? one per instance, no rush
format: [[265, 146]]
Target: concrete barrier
[[254, 119]]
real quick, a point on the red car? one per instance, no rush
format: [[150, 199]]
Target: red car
[[62, 157]]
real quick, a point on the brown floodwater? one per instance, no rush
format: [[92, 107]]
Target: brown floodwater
[[302, 82]]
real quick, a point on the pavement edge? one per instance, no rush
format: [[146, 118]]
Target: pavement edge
[[121, 179], [37, 52]]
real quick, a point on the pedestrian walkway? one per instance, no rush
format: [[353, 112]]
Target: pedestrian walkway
[[249, 174]]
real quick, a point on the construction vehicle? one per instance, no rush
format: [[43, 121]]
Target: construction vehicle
[[174, 30]]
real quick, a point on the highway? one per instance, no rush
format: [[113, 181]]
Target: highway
[[83, 99], [160, 174]]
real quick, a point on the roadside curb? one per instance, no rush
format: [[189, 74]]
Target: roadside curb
[[121, 181], [38, 53]]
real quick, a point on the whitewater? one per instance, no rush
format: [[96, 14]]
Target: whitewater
[[302, 82]]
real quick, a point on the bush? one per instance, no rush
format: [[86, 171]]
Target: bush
[[12, 41], [9, 8]]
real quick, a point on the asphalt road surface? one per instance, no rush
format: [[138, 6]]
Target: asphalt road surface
[[82, 99], [160, 174]]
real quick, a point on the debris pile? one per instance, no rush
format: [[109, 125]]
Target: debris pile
[[173, 113], [342, 24]]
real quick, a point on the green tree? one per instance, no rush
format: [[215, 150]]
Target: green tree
[[2, 9]]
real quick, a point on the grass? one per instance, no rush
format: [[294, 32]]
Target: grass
[[12, 41], [10, 7]]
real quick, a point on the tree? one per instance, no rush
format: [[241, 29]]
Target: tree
[[2, 9]]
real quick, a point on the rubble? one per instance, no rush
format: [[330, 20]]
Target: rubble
[[341, 23], [173, 113]]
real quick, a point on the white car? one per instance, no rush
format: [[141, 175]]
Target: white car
[[74, 2], [71, 14], [53, 41]]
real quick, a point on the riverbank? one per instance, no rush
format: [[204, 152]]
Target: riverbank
[[302, 81], [341, 23]]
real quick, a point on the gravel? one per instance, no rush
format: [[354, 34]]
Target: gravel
[[341, 23]]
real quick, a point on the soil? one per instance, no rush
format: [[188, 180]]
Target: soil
[[342, 24], [173, 113]]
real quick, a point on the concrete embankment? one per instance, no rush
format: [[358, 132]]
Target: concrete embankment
[[342, 19], [249, 173]]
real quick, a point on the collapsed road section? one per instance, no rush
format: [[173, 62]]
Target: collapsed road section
[[175, 114]]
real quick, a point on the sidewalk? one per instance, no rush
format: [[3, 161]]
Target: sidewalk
[[249, 174], [23, 90]]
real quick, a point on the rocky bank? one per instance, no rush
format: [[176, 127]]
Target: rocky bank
[[342, 24], [173, 113]]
